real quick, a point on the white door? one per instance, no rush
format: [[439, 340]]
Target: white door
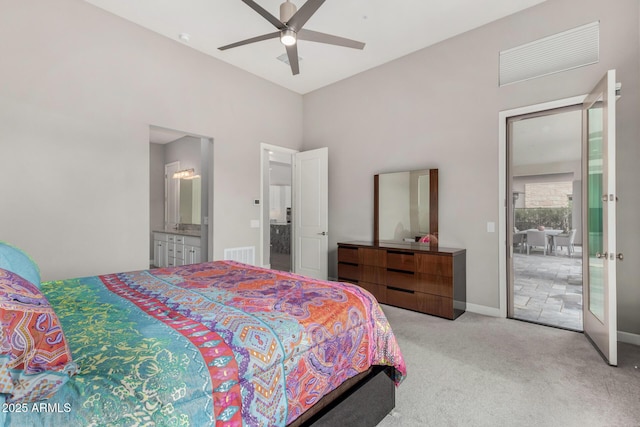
[[311, 213], [599, 240]]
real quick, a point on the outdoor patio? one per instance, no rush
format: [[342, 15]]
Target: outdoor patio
[[548, 289]]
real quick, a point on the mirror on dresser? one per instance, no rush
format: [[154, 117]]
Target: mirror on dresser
[[406, 206]]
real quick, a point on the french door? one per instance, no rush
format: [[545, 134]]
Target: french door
[[599, 217]]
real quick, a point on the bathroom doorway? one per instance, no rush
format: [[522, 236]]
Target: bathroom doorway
[[180, 201]]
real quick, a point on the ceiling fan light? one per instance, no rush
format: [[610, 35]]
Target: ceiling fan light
[[288, 37]]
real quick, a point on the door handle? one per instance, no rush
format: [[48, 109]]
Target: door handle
[[324, 233], [599, 255], [620, 256]]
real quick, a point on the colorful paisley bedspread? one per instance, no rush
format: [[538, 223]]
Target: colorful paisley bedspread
[[219, 343]]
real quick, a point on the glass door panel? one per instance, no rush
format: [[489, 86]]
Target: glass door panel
[[595, 214]]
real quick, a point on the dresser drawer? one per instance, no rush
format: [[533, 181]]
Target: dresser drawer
[[373, 274], [374, 257], [435, 264], [434, 284], [400, 298], [397, 260], [348, 255], [402, 280], [378, 291], [348, 272], [424, 303], [436, 305]]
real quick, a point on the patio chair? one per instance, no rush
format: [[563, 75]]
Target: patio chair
[[536, 239], [520, 240], [566, 239]]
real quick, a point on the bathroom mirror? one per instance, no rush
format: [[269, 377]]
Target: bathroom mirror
[[406, 205], [190, 200]]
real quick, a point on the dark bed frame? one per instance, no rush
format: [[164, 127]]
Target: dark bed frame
[[362, 401]]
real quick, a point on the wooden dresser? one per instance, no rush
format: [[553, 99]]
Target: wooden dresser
[[415, 276]]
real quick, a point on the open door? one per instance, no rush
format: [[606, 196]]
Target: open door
[[599, 238], [311, 213]]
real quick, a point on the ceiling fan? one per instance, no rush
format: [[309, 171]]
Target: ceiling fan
[[290, 30]]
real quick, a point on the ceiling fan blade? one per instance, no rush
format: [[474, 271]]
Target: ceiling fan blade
[[315, 36], [292, 54], [303, 14], [251, 40], [266, 15]]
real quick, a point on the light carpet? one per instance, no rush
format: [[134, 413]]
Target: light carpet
[[486, 371]]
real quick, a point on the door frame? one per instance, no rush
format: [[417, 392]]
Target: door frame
[[502, 185], [509, 205]]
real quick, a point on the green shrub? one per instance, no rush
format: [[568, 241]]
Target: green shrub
[[553, 218]]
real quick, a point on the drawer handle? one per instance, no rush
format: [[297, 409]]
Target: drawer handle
[[401, 290], [401, 253], [395, 270]]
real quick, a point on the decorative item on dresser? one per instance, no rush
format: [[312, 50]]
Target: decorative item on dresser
[[416, 276]]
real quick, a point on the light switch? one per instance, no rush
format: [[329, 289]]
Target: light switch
[[491, 227]]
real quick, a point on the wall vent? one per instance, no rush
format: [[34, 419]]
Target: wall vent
[[569, 49], [246, 255]]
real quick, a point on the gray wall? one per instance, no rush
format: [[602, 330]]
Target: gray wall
[[80, 88], [438, 108], [186, 150], [156, 192]]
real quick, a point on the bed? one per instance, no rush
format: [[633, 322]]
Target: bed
[[219, 343]]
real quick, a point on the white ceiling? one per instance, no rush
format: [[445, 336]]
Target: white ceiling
[[390, 29], [551, 139], [159, 135]]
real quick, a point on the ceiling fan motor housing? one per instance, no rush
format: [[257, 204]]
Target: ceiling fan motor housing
[[287, 10]]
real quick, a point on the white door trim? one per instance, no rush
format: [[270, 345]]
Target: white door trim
[[502, 182]]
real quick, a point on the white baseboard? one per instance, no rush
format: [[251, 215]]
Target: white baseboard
[[484, 310], [628, 338]]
